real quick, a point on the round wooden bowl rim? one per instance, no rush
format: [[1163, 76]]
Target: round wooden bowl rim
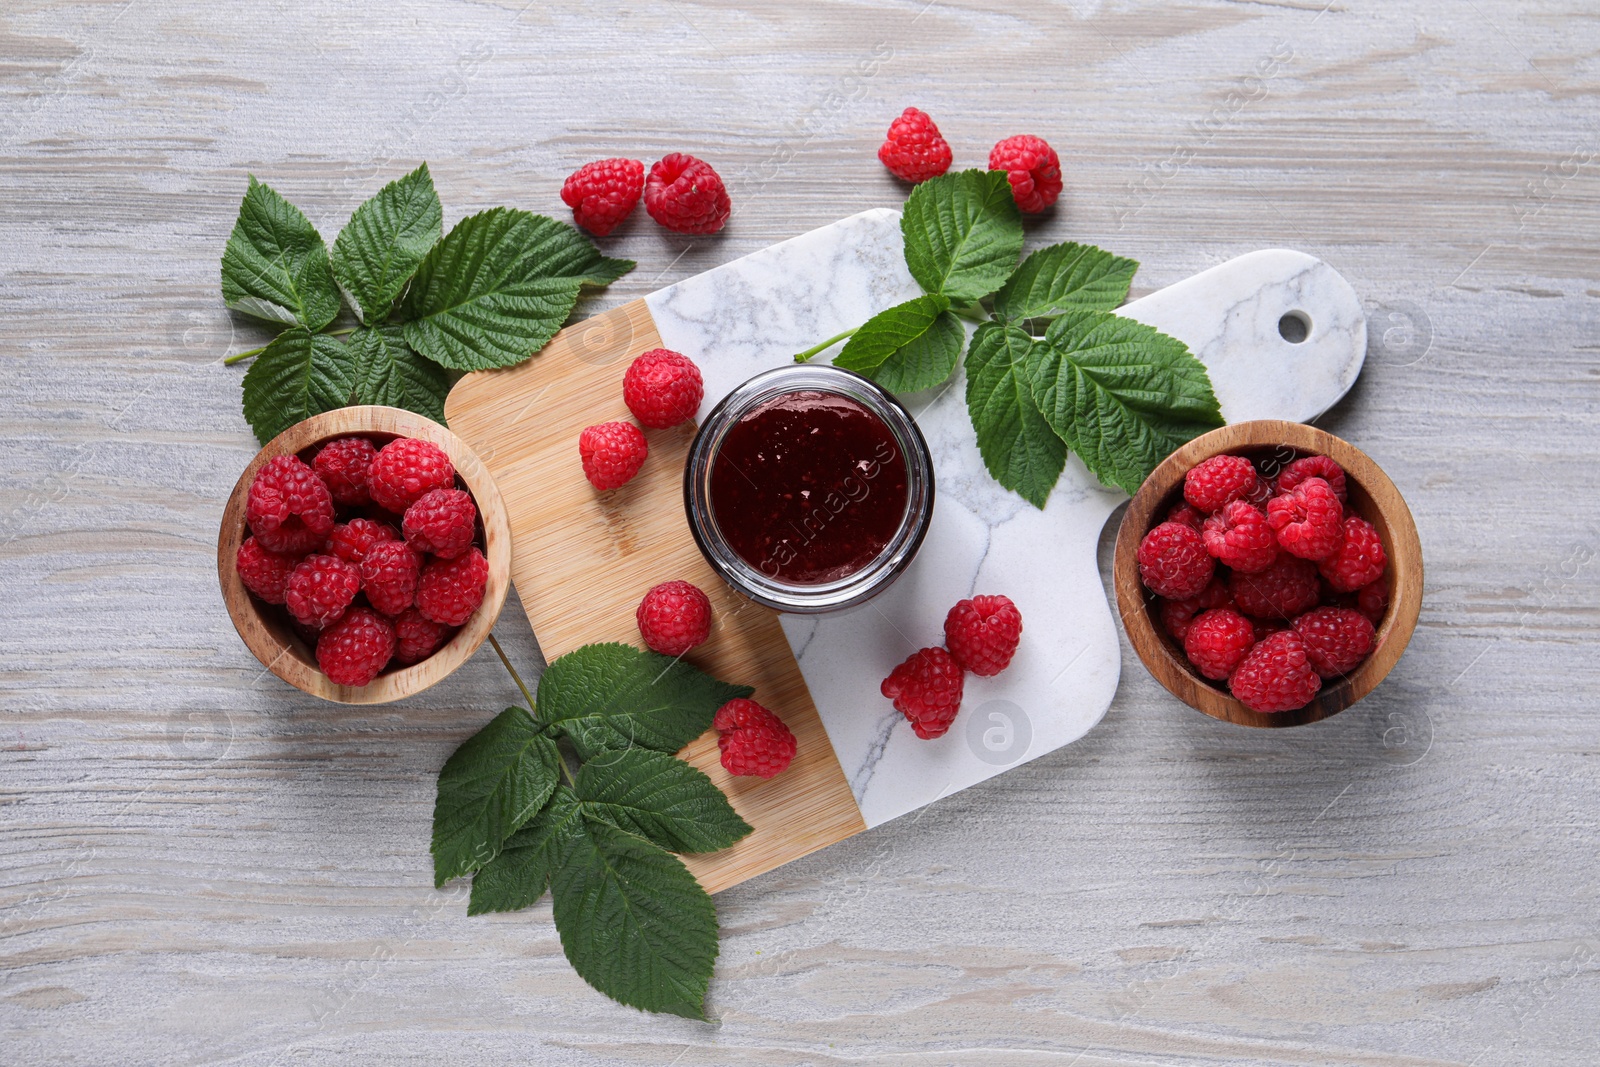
[[290, 659], [1401, 543]]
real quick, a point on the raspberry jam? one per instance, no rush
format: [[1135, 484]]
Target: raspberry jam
[[809, 487]]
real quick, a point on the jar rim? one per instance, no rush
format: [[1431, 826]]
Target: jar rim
[[854, 588]]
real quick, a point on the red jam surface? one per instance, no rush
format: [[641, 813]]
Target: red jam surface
[[809, 487]]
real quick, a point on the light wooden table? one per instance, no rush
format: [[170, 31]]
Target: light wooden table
[[198, 865]]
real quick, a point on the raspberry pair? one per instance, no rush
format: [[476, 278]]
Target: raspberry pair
[[662, 388], [682, 193], [675, 617], [980, 635], [915, 151], [410, 553]]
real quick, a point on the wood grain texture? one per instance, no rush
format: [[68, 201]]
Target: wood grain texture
[[1270, 444], [583, 560], [267, 631], [201, 865]]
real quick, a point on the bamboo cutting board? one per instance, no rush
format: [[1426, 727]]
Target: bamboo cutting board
[[582, 560]]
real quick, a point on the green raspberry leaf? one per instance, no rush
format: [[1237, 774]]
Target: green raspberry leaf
[[613, 696], [275, 266], [908, 347], [1122, 395], [387, 371], [1018, 446], [1065, 277], [498, 287], [490, 786], [660, 798], [384, 242], [963, 234], [520, 874], [298, 375], [633, 921], [881, 336]]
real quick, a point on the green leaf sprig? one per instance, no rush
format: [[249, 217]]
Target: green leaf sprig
[[512, 812], [428, 308], [1050, 368]]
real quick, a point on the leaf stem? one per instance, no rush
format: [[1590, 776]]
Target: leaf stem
[[561, 757], [514, 675], [801, 357], [240, 356]]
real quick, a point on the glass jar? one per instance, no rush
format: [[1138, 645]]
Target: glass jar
[[809, 488]]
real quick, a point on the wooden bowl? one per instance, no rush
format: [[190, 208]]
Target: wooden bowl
[[267, 631], [1371, 495]]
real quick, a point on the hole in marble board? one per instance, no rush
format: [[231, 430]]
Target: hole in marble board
[[1294, 327]]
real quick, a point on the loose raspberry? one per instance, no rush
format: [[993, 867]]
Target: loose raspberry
[[353, 650], [1218, 641], [1373, 600], [319, 589], [1308, 520], [926, 689], [1186, 513], [1214, 483], [982, 634], [1275, 675], [1033, 169], [1240, 537], [913, 149], [1178, 615], [263, 571], [1336, 639], [1359, 560], [288, 508], [1313, 467], [662, 388], [416, 637], [612, 453], [685, 195], [406, 468], [351, 541], [450, 590], [1283, 590], [752, 739], [1173, 561], [674, 617], [601, 194], [442, 521], [343, 464], [389, 576]]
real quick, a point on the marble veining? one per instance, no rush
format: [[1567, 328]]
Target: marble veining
[[756, 312]]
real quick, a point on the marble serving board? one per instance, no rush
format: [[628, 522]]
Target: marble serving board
[[754, 314]]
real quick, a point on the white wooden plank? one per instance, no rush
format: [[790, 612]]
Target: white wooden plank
[[199, 866]]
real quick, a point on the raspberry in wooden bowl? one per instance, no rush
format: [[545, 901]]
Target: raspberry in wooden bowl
[[1261, 613], [362, 562]]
